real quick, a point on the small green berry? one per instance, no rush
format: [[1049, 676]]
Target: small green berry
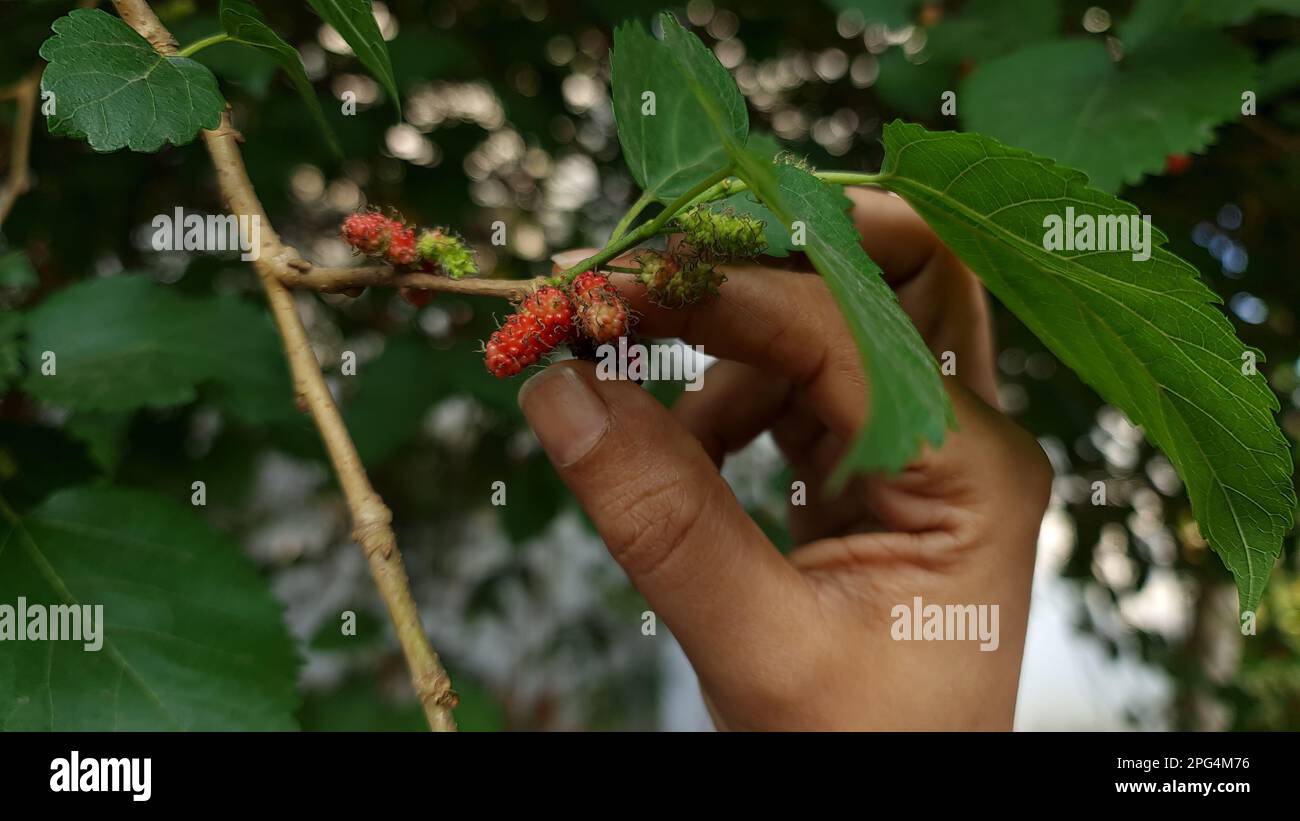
[[449, 252]]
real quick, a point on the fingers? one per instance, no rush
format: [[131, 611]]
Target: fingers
[[894, 235], [666, 515], [944, 299], [735, 404], [782, 323], [763, 317]]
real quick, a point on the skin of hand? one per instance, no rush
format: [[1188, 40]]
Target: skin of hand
[[803, 641]]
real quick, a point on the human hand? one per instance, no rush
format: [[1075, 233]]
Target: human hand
[[805, 641]]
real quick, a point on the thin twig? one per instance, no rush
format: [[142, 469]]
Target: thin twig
[[371, 518], [18, 181], [332, 280]]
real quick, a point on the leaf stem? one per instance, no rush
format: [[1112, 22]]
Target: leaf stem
[[199, 45], [644, 231], [626, 222], [734, 185]]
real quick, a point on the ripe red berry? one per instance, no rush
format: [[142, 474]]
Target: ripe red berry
[[376, 235], [368, 231], [553, 310], [1176, 164], [601, 312], [543, 320], [400, 251]]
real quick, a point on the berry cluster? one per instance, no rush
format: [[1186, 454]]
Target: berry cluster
[[376, 235], [590, 311], [390, 239]]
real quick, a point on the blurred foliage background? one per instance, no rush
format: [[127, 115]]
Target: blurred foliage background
[[506, 117]]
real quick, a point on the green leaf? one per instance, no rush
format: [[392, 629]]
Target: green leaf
[[987, 28], [914, 88], [908, 403], [1145, 335], [1150, 17], [1115, 121], [354, 20], [1281, 73], [17, 276], [127, 342], [979, 30], [245, 24], [114, 91], [671, 150], [192, 639], [983, 30], [104, 435]]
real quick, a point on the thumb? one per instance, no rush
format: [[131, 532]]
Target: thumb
[[667, 517]]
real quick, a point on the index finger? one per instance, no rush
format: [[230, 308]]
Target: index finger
[[779, 321]]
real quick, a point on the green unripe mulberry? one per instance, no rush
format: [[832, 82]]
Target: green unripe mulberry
[[674, 281], [721, 234], [448, 252]]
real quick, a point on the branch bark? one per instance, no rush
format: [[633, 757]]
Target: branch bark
[[331, 280], [371, 518], [25, 92]]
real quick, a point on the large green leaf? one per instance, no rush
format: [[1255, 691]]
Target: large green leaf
[[192, 639], [1149, 17], [908, 403], [127, 342], [1069, 100], [1281, 73], [1145, 335], [984, 29], [113, 90], [699, 113], [245, 24], [354, 20]]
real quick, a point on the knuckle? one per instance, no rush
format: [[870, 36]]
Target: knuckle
[[658, 516]]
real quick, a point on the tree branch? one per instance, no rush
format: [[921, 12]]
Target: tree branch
[[331, 280], [25, 92], [371, 518]]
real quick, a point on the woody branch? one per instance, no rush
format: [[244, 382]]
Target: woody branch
[[371, 518]]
